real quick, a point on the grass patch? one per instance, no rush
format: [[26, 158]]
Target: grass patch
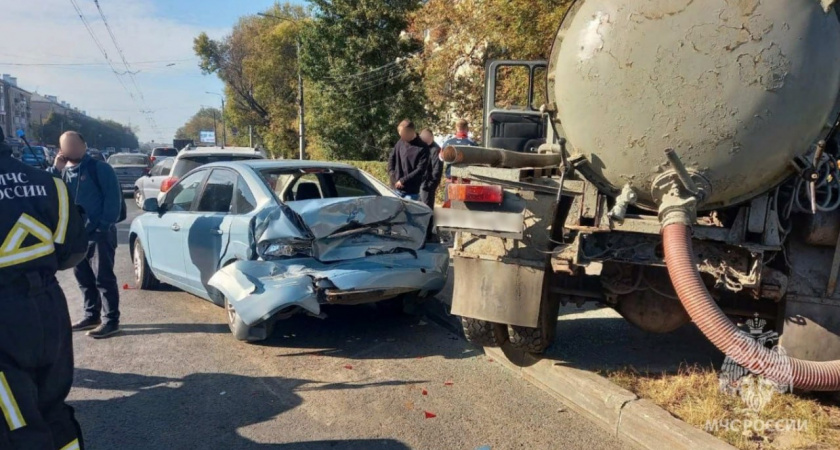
[[693, 396]]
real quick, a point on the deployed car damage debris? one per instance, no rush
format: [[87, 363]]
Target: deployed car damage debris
[[342, 251]]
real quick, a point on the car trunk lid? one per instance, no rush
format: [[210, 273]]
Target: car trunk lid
[[348, 228]]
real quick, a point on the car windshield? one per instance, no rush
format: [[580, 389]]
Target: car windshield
[[313, 183], [128, 160], [186, 164], [165, 152]]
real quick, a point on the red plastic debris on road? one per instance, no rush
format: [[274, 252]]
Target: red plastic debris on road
[[489, 359], [430, 415], [127, 287], [425, 392], [348, 367], [448, 383]]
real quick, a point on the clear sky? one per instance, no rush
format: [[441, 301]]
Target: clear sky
[[47, 47]]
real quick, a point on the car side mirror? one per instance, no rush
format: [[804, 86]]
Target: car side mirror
[[151, 205]]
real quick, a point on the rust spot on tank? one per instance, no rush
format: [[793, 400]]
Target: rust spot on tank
[[658, 9], [769, 68]]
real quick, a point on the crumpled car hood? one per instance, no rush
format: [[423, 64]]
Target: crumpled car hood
[[348, 228]]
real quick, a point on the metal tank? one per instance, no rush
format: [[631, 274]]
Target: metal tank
[[738, 88]]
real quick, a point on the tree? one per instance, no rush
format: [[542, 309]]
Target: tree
[[462, 35], [355, 54], [206, 119], [98, 133], [258, 64]]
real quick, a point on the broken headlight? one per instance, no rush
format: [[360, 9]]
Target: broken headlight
[[284, 249]]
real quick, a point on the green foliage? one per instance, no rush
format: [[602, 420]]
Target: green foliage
[[99, 134], [464, 35], [355, 56], [258, 63], [206, 119]]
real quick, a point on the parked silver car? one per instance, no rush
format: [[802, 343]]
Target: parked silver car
[[129, 168]]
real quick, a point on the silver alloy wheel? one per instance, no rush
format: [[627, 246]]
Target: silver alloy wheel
[[138, 198], [231, 312], [138, 264]]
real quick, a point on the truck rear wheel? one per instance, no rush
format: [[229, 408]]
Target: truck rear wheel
[[483, 333], [537, 340]]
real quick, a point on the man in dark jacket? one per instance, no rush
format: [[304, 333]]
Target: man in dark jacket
[[96, 189], [408, 165], [429, 190]]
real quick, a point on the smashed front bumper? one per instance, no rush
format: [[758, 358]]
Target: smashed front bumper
[[260, 289]]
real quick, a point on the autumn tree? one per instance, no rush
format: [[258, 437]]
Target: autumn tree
[[258, 64], [461, 36], [355, 55], [206, 119]]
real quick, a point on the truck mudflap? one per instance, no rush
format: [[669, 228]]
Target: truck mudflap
[[495, 291], [260, 289]]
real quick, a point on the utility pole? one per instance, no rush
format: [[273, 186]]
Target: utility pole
[[215, 130], [301, 110], [224, 126]]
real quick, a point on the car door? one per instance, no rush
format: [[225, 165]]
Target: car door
[[208, 235], [167, 231]]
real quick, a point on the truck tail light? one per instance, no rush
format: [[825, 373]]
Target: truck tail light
[[167, 184], [152, 158], [475, 193]]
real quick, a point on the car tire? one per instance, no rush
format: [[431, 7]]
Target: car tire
[[243, 332], [143, 277], [483, 333], [138, 198]]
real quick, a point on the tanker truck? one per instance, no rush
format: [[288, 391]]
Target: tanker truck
[[675, 160]]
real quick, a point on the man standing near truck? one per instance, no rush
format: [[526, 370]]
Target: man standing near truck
[[408, 165], [428, 192], [462, 137]]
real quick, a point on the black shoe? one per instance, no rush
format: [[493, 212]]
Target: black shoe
[[86, 324], [104, 330]]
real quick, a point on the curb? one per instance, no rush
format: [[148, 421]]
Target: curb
[[634, 420]]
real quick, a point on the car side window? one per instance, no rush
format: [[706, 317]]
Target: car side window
[[244, 200], [218, 192], [181, 196], [166, 167]]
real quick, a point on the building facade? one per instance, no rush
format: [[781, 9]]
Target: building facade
[[15, 106]]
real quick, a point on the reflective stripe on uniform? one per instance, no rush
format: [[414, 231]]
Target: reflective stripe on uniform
[[63, 212], [11, 252], [9, 406], [73, 445]]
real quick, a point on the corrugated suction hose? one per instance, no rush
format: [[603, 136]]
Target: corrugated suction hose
[[735, 343]]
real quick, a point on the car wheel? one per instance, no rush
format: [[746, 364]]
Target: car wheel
[[244, 332], [483, 333], [138, 198], [143, 276]]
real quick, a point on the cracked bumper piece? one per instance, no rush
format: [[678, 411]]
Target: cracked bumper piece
[[260, 289]]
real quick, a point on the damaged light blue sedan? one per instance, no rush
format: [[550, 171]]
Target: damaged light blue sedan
[[270, 239]]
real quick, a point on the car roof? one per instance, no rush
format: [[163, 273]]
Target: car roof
[[259, 164], [208, 151]]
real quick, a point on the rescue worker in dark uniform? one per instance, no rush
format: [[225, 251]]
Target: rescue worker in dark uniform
[[41, 232]]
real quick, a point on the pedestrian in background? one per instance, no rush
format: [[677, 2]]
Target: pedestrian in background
[[428, 191], [408, 165], [42, 232], [96, 189], [462, 137]]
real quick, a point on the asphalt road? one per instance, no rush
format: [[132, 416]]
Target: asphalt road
[[176, 379]]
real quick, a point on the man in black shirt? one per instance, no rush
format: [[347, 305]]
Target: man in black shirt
[[408, 165], [429, 190]]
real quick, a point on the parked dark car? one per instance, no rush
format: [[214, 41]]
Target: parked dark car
[[97, 155], [163, 152], [129, 168]]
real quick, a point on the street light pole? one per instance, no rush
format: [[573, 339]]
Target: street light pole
[[301, 109]]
